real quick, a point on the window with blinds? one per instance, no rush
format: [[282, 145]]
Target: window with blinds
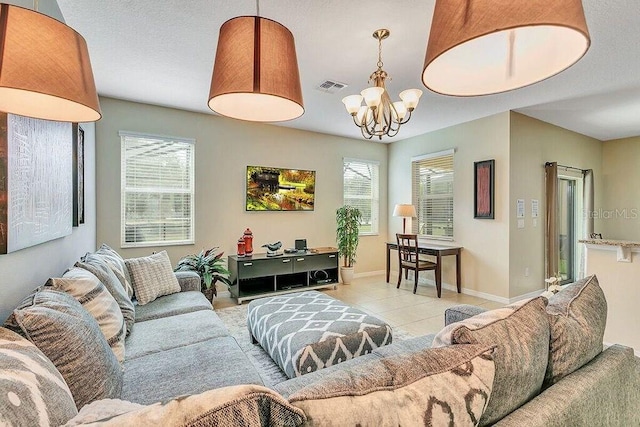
[[432, 194], [361, 190], [157, 190]]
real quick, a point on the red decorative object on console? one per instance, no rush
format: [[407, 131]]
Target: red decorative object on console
[[248, 242], [241, 246]]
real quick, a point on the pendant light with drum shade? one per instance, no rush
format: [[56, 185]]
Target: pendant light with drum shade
[[255, 74], [482, 47], [45, 71]]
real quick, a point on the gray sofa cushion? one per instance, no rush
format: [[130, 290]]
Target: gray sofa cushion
[[172, 305], [67, 334], [433, 386], [243, 405], [218, 362], [152, 277], [33, 391], [578, 316], [521, 332], [96, 299], [461, 312], [175, 331], [604, 392], [188, 281], [99, 268]]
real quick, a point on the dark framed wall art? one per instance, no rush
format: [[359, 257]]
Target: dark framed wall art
[[484, 189], [78, 175]]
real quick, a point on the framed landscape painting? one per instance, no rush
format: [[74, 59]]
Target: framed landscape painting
[[484, 186], [278, 189]]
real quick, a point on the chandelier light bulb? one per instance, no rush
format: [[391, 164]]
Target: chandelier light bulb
[[372, 96], [399, 111], [410, 98], [352, 103]]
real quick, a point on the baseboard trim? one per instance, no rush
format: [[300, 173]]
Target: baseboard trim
[[526, 296], [466, 291], [368, 274]]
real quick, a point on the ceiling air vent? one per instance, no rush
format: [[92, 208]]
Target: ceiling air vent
[[331, 86]]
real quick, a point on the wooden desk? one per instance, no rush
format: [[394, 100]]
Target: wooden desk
[[437, 251]]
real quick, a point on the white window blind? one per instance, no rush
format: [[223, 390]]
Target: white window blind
[[432, 194], [157, 190], [361, 190]]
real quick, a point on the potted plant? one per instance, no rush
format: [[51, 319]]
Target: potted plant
[[347, 234], [210, 267]]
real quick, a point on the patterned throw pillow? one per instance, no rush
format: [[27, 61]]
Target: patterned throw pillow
[[32, 391], [578, 316], [96, 266], [70, 338], [242, 405], [152, 277], [94, 297], [430, 387], [119, 268], [521, 333]]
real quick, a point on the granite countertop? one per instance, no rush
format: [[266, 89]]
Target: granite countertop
[[607, 242]]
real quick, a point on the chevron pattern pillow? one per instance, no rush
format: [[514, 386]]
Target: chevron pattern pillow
[[117, 265], [99, 268], [33, 391], [94, 297]]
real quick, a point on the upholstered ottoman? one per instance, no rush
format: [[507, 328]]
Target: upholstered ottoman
[[307, 331]]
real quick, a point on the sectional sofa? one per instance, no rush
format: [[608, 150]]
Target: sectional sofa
[[536, 363]]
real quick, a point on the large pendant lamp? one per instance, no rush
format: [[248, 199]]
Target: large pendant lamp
[[255, 75], [45, 70], [481, 47]]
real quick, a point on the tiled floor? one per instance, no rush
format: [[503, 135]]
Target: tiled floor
[[419, 314]]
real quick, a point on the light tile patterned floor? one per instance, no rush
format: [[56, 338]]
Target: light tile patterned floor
[[419, 314]]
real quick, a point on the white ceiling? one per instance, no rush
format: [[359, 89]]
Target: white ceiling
[[162, 53]]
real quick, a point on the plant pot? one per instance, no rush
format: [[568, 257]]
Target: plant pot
[[209, 293], [346, 273]]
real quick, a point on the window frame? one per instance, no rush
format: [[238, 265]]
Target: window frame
[[123, 190], [375, 195], [415, 227]]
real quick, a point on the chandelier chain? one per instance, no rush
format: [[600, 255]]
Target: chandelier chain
[[380, 63], [257, 7]]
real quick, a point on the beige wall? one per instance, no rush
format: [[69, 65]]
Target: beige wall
[[224, 148], [24, 270], [485, 258], [621, 206], [619, 282], [533, 143]]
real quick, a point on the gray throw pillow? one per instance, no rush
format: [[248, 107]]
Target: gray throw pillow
[[94, 297], [428, 387], [521, 333], [99, 268], [578, 317], [152, 277], [119, 268], [241, 405], [67, 334], [33, 391]]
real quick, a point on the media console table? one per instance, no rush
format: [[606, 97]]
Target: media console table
[[259, 276]]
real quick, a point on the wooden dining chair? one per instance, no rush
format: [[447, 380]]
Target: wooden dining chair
[[408, 258]]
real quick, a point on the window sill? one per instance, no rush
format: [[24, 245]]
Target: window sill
[[156, 244], [368, 234]]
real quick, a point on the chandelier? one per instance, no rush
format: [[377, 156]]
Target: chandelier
[[380, 116]]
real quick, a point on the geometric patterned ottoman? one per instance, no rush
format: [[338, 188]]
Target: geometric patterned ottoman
[[307, 331]]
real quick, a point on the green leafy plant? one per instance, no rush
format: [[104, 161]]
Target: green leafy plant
[[348, 222], [209, 265]]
